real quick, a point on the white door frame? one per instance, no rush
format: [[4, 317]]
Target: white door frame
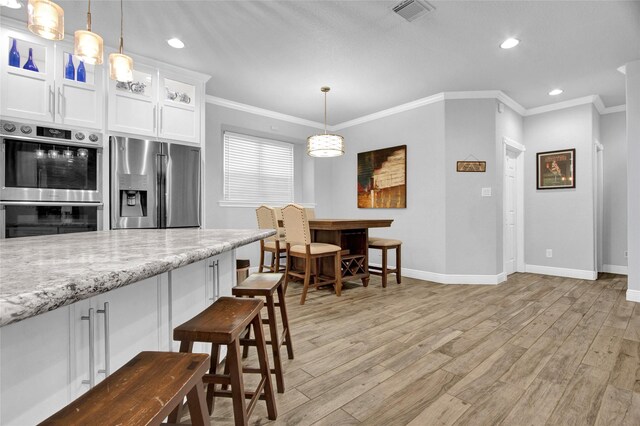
[[519, 149], [598, 205]]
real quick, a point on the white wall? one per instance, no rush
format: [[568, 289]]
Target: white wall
[[560, 219], [219, 119], [633, 178], [613, 136]]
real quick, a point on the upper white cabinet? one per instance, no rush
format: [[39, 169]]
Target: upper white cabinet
[[27, 93], [156, 104], [133, 107], [45, 91]]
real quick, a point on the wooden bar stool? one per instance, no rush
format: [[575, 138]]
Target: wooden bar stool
[[266, 285], [222, 323], [142, 392], [386, 244]]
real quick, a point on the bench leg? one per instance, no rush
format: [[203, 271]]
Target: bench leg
[[384, 267], [237, 385], [213, 369], [285, 321], [275, 346], [263, 360], [197, 406]]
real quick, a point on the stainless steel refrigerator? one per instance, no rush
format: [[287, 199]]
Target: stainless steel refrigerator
[[154, 184]]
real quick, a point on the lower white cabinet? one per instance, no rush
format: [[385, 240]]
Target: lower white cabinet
[[51, 359]]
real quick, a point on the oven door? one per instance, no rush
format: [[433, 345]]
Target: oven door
[[36, 171], [24, 219]]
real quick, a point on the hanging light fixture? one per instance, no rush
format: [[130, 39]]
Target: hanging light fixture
[[121, 65], [46, 19], [88, 45], [326, 144]]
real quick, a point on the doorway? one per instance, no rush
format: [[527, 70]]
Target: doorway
[[513, 207]]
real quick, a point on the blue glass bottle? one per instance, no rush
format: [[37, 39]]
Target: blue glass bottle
[[81, 75], [14, 55], [70, 70], [30, 65]]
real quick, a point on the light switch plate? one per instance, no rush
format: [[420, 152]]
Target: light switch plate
[[486, 192]]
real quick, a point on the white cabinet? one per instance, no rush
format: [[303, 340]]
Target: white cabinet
[[24, 93], [110, 329], [169, 110], [133, 106], [46, 95], [34, 369]]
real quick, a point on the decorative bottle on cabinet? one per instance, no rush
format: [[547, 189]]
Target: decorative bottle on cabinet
[[30, 65], [14, 55], [70, 70], [81, 75]]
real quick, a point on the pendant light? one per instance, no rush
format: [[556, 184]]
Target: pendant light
[[88, 45], [326, 144], [121, 65], [46, 19]]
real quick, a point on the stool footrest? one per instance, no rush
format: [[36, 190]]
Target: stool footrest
[[217, 379]]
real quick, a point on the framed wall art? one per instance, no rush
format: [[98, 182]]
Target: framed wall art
[[382, 178], [556, 169]]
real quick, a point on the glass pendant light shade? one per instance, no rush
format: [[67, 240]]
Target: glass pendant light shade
[[325, 145], [88, 47], [46, 19], [120, 67]]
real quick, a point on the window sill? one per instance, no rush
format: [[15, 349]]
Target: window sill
[[254, 204]]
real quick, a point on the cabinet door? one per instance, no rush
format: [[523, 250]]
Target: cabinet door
[[133, 106], [25, 93], [34, 368], [226, 273], [188, 296], [78, 103], [179, 111]]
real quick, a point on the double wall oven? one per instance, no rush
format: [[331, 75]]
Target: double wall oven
[[50, 181]]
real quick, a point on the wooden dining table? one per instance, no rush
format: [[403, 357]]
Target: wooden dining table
[[352, 235]]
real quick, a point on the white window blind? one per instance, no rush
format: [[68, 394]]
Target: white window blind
[[257, 170]]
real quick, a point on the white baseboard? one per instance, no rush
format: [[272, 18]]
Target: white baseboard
[[615, 269], [633, 295], [562, 272], [452, 278]]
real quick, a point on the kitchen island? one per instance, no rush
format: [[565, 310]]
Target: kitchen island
[[74, 308]]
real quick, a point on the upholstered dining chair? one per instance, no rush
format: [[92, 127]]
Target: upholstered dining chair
[[267, 219], [299, 246]]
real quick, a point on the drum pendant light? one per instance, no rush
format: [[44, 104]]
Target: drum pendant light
[[121, 65], [46, 19], [326, 144], [88, 45]]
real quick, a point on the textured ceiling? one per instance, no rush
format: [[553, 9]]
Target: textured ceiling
[[277, 54]]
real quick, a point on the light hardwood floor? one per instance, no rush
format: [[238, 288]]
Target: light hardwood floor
[[534, 350]]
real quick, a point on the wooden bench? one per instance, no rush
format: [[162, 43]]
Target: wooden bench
[[142, 392]]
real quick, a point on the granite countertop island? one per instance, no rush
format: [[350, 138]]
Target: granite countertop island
[[39, 274]]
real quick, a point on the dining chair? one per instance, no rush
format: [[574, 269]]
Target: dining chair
[[311, 213], [267, 219], [299, 246]]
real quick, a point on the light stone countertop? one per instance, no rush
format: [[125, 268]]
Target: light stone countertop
[[40, 274]]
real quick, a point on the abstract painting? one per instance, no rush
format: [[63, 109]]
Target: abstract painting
[[382, 178]]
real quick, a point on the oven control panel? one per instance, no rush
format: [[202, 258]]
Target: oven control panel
[[32, 130]]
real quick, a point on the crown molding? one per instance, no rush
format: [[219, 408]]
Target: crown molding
[[611, 110], [593, 99], [263, 112]]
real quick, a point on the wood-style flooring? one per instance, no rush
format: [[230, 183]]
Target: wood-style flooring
[[534, 350]]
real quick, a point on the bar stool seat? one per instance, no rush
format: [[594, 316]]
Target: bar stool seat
[[222, 323], [386, 244], [142, 392], [267, 285]]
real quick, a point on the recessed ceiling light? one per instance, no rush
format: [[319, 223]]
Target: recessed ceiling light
[[176, 43], [11, 4], [556, 92], [510, 43]]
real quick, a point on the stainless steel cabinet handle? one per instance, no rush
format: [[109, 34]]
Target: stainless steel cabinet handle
[[107, 341], [92, 360], [51, 93], [214, 275]]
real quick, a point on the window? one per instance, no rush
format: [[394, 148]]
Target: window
[[257, 170]]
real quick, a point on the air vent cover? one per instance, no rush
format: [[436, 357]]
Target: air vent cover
[[413, 9]]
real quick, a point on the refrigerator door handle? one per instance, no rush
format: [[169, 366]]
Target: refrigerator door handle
[[162, 190]]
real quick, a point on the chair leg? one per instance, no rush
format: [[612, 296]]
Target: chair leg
[[261, 257], [337, 266], [398, 265], [263, 360], [384, 267], [307, 278], [285, 322], [245, 349], [275, 344], [286, 274], [237, 385], [273, 262]]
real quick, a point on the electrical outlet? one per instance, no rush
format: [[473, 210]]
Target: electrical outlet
[[549, 253]]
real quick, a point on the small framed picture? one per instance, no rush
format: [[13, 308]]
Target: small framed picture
[[556, 169]]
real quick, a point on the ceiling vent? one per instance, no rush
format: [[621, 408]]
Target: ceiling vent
[[413, 9]]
